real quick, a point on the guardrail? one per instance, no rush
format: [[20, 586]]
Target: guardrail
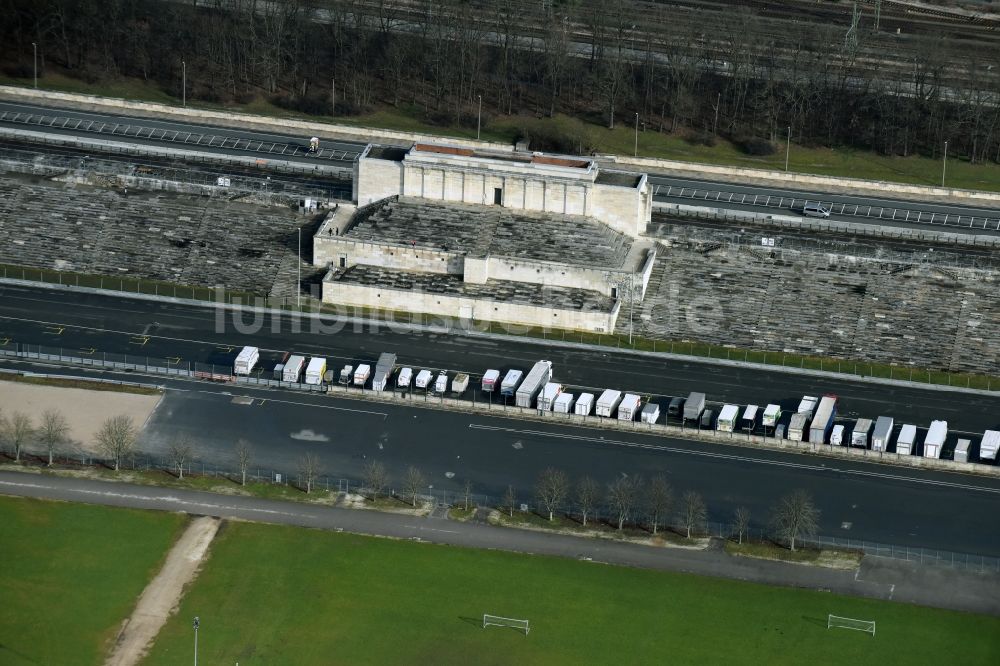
[[793, 204], [135, 131]]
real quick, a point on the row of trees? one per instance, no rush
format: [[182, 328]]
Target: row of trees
[[628, 500], [728, 71]]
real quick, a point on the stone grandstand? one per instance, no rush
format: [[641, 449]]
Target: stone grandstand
[[481, 231], [917, 314], [160, 236]]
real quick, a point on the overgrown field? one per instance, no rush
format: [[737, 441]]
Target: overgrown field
[[71, 573], [273, 595]]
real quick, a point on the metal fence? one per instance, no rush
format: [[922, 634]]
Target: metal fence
[[792, 204]]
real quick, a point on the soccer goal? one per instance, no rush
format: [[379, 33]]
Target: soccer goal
[[497, 621], [850, 623]]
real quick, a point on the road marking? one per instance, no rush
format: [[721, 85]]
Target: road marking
[[89, 351], [384, 415], [139, 340], [225, 349], [4, 342], [730, 456], [54, 330], [173, 360]]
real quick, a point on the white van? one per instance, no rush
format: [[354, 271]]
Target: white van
[[815, 209]]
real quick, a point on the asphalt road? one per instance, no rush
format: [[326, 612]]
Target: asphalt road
[[664, 184], [858, 500], [876, 578], [84, 324]]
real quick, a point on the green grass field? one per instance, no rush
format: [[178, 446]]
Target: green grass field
[[272, 595], [70, 574]]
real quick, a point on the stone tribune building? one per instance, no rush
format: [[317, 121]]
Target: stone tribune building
[[512, 237]]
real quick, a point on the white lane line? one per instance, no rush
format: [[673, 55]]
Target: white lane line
[[730, 456], [384, 415]]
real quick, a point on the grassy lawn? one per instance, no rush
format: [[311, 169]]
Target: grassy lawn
[[81, 384], [272, 595], [71, 574], [844, 559]]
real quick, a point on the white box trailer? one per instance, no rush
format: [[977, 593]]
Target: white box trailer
[[934, 441], [460, 383], [608, 401], [584, 404], [797, 427], [361, 374], [694, 406], [628, 408], [962, 450], [990, 445], [293, 368], [404, 378], [772, 414], [510, 382], [441, 383], [537, 378], [727, 418], [563, 404], [384, 368], [547, 398], [650, 413], [490, 380], [749, 420], [822, 421], [882, 433], [837, 435], [315, 371], [424, 378], [807, 405], [246, 360], [859, 436], [346, 374], [905, 441]]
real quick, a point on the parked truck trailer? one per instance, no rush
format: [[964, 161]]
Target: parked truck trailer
[[608, 402], [537, 378], [881, 433], [315, 371], [584, 404], [510, 383], [934, 441], [384, 368], [822, 421], [246, 360], [906, 440], [694, 406], [859, 436], [628, 408], [727, 418], [547, 398], [293, 368], [797, 426], [490, 380]]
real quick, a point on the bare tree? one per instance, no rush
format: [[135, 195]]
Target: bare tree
[[796, 517], [741, 521], [622, 495], [552, 489], [659, 498], [694, 511], [510, 500], [53, 431], [467, 490], [181, 452], [587, 492], [244, 456], [376, 478], [413, 483], [17, 430], [309, 470], [116, 438]]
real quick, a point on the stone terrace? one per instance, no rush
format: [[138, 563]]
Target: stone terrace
[[907, 314], [162, 236], [494, 290], [481, 230]]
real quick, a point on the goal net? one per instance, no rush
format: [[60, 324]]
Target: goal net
[[850, 623], [497, 621]]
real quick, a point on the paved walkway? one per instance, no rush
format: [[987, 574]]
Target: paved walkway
[[878, 578]]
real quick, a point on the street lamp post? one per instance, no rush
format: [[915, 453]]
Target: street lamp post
[[479, 118], [34, 45], [196, 625], [635, 152], [184, 85], [944, 163], [298, 283], [788, 147]]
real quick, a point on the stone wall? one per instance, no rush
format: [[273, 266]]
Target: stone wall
[[464, 308], [331, 250]]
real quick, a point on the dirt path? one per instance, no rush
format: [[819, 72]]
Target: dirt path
[[163, 594]]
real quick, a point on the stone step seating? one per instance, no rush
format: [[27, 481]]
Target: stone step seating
[[162, 237], [497, 231], [496, 290]]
